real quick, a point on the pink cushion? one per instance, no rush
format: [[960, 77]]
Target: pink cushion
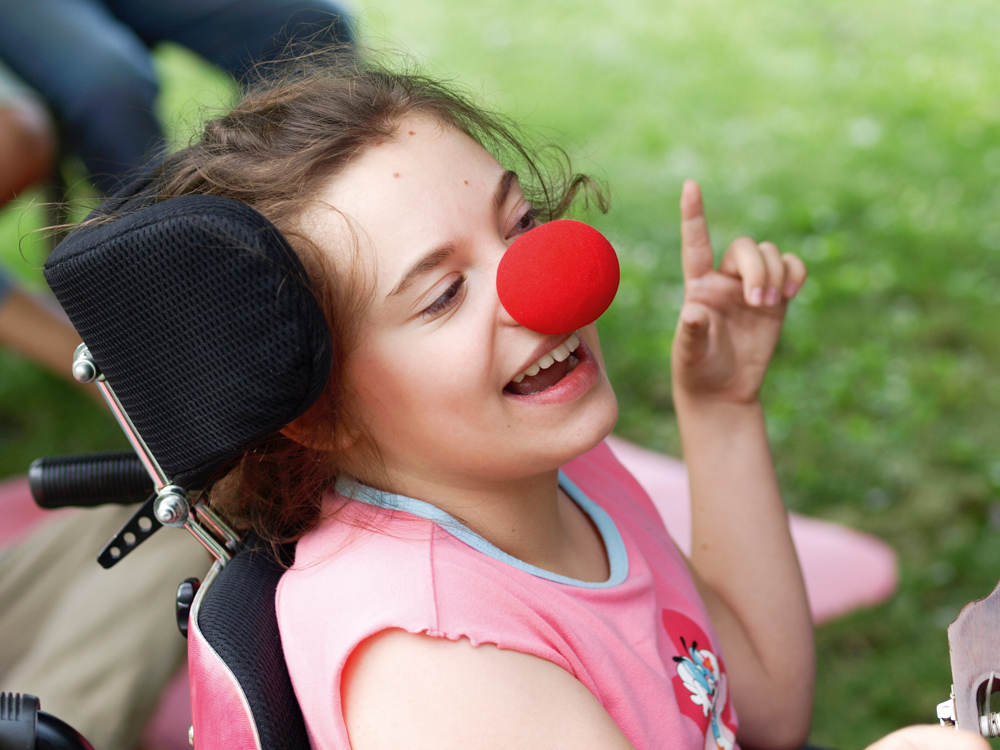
[[19, 511], [168, 729], [222, 717], [843, 569]]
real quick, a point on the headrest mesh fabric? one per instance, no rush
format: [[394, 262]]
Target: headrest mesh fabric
[[203, 321]]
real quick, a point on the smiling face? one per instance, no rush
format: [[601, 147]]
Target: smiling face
[[433, 376]]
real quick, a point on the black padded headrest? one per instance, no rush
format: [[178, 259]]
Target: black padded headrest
[[203, 321]]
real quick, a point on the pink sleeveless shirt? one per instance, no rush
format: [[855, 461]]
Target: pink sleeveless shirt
[[641, 641]]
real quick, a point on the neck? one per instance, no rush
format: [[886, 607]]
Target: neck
[[529, 518]]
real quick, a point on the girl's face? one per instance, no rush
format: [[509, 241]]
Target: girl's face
[[434, 213]]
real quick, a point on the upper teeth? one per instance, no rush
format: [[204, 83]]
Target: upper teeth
[[558, 354]]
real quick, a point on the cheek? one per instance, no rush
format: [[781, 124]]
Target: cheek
[[414, 378], [589, 334], [379, 381]]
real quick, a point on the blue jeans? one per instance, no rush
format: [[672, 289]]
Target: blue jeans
[[90, 60]]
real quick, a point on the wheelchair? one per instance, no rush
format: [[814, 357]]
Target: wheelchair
[[203, 332]]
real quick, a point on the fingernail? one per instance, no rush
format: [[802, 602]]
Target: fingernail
[[791, 290], [772, 297], [756, 296]]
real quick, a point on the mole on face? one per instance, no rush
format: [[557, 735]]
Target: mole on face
[[413, 132], [465, 181], [395, 174]]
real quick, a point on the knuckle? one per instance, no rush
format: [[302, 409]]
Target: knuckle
[[770, 252], [794, 263]]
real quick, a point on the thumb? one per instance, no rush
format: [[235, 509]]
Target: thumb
[[691, 341]]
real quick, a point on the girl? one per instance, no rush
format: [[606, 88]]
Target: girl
[[474, 567]]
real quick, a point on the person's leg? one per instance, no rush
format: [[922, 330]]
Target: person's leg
[[96, 646], [235, 34], [30, 586], [95, 74]]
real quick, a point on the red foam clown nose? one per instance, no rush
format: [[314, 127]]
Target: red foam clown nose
[[558, 277]]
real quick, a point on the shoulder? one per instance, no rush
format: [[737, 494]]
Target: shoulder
[[347, 573], [415, 691], [349, 581]]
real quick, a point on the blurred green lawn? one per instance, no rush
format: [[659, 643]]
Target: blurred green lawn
[[864, 136]]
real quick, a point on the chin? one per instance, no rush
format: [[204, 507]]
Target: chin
[[608, 418]]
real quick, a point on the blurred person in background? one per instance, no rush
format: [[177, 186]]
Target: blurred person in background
[[27, 155], [97, 645], [91, 61]]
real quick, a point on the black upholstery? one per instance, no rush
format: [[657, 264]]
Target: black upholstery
[[237, 617]]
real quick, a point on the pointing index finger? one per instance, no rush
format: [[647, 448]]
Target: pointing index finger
[[697, 257]]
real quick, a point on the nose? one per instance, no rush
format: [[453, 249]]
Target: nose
[[558, 277]]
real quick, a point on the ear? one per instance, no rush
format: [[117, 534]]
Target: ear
[[309, 432]]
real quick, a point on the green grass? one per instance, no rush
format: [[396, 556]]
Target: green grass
[[864, 136]]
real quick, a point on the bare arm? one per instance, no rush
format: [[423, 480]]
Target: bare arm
[[742, 556], [409, 692]]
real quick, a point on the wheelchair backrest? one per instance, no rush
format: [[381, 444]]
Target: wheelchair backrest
[[204, 323], [241, 694]]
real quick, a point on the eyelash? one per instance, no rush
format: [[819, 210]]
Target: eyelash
[[528, 221], [446, 300]]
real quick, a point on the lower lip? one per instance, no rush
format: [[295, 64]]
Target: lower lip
[[577, 383]]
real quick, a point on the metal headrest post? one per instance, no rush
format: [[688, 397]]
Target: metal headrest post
[[170, 504]]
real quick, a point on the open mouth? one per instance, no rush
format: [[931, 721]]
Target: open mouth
[[548, 369]]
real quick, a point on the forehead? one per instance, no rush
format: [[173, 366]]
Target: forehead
[[415, 190], [437, 151]]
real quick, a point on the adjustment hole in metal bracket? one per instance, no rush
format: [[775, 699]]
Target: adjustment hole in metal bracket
[[145, 523]]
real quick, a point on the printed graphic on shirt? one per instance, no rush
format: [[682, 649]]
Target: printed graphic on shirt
[[701, 683]]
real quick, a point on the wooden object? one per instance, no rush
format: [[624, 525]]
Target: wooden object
[[974, 643]]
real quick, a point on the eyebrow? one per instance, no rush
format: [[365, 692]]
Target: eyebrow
[[428, 263], [503, 189], [436, 257]]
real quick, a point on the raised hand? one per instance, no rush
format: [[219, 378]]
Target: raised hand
[[731, 317]]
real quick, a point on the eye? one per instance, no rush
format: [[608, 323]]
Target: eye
[[529, 220], [446, 300]]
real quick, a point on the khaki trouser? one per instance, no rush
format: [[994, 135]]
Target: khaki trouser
[[96, 646]]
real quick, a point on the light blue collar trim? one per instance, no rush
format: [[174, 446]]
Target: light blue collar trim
[[613, 543]]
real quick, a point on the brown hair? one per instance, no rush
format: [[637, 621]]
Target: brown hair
[[291, 132]]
